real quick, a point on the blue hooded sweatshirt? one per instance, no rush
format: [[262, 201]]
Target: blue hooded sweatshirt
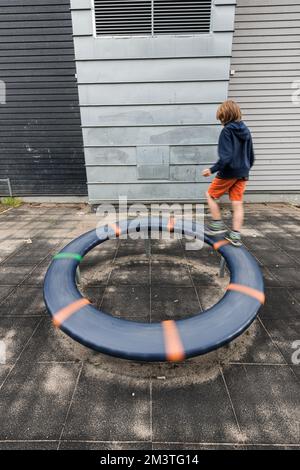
[[236, 155]]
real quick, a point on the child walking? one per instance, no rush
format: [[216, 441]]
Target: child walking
[[236, 158]]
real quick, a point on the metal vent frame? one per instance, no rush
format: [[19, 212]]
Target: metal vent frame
[[151, 18]]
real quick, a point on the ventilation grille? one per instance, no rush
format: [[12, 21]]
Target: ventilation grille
[[123, 17], [134, 17], [175, 17]]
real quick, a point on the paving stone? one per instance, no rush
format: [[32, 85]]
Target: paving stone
[[285, 241], [37, 276], [211, 295], [167, 247], [9, 245], [293, 252], [12, 276], [95, 275], [208, 276], [5, 291], [132, 248], [28, 445], [109, 407], [34, 401], [197, 412], [171, 446], [88, 445], [279, 304], [24, 301], [258, 347], [284, 332], [266, 401], [93, 294], [173, 303], [166, 274], [296, 371], [269, 279], [259, 244], [127, 302], [132, 273], [296, 294], [271, 447], [275, 259], [208, 257], [31, 254], [50, 344], [101, 254], [4, 370], [15, 332]]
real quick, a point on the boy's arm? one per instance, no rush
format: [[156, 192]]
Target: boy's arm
[[225, 151], [252, 154]]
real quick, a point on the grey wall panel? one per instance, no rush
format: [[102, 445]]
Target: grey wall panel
[[266, 60], [193, 154], [147, 191], [148, 115], [128, 174], [153, 162], [223, 18], [179, 155], [99, 156], [114, 174], [148, 48], [148, 107], [152, 93], [40, 135], [157, 70], [188, 173], [119, 136], [80, 4], [82, 22]]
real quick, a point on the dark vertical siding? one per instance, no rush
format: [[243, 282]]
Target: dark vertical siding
[[266, 60], [41, 148]]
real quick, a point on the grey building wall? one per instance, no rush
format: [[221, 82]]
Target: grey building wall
[[148, 107], [266, 60], [41, 147]]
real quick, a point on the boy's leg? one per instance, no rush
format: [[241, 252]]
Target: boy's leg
[[238, 215], [213, 207], [236, 194], [217, 188]]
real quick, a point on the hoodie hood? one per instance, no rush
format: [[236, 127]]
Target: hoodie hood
[[239, 129]]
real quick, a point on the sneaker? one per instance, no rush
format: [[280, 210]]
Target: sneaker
[[216, 227], [234, 238]]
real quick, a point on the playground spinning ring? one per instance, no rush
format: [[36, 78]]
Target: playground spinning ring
[[166, 341]]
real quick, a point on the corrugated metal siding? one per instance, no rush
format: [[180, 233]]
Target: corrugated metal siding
[[151, 17], [148, 107], [41, 148], [266, 59]]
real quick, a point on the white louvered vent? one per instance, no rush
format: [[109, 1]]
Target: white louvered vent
[[122, 17], [152, 17], [176, 17]]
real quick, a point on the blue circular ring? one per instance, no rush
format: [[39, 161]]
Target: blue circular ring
[[199, 334]]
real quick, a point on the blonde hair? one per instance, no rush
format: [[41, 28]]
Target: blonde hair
[[229, 111]]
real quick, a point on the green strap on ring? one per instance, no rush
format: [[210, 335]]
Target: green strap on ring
[[68, 256]]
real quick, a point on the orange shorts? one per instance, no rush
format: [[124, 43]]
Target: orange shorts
[[234, 187]]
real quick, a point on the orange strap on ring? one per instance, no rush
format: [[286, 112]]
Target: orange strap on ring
[[221, 243], [173, 344], [256, 294], [63, 314], [171, 224], [116, 229]]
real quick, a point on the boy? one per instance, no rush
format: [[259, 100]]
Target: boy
[[236, 158]]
